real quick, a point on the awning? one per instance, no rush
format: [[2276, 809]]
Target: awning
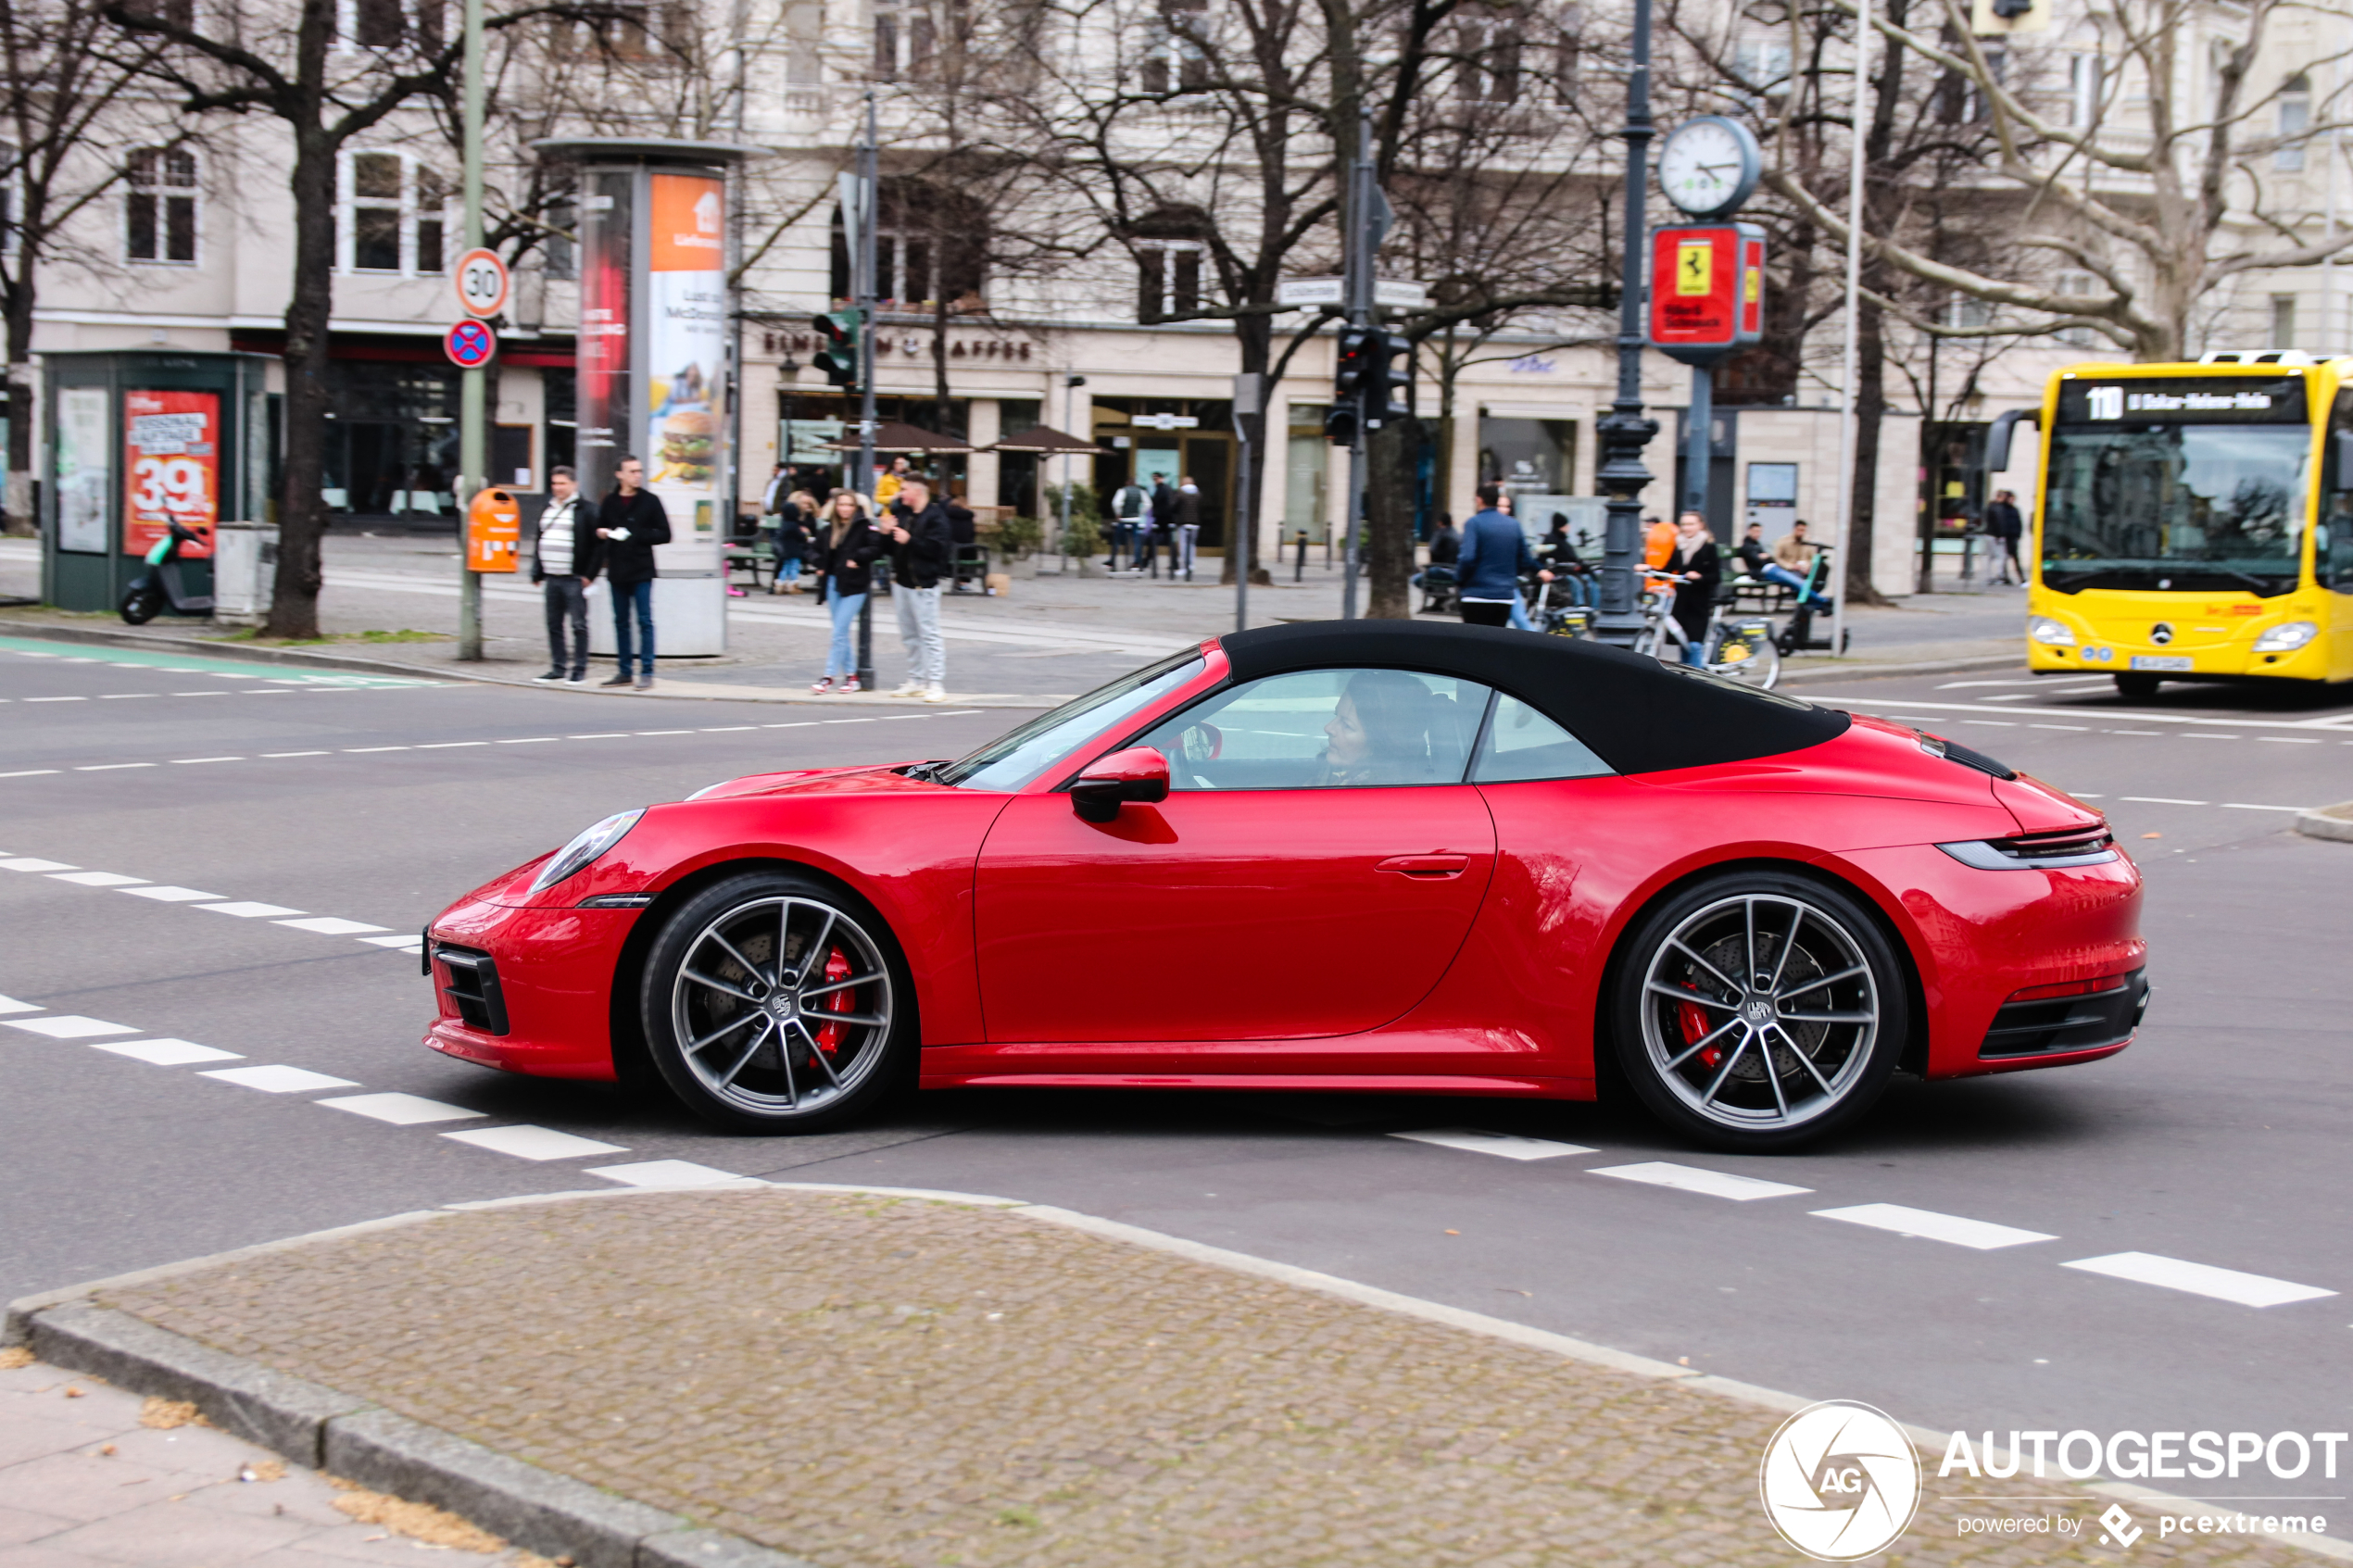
[[1046, 440], [891, 436]]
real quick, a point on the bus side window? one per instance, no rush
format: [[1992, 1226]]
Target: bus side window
[[2333, 551]]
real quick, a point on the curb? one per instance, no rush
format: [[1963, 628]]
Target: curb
[[2327, 821], [553, 1515], [1815, 675]]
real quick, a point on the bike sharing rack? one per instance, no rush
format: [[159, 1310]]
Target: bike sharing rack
[[138, 439]]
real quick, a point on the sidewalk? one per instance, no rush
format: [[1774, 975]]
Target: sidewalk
[[1050, 637], [868, 1380]]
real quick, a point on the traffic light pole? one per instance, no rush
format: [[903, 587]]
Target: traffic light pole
[[1358, 267], [473, 460], [869, 176], [1624, 430]]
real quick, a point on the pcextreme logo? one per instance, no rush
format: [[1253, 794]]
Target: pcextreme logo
[[1839, 1481]]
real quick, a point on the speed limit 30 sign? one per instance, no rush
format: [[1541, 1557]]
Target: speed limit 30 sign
[[482, 283]]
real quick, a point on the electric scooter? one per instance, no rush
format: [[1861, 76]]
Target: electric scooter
[[157, 588]]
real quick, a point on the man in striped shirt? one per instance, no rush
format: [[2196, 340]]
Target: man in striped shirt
[[564, 563]]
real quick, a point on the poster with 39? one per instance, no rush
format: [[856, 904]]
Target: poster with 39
[[172, 469]]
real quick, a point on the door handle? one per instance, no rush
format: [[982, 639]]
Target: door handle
[[1426, 866]]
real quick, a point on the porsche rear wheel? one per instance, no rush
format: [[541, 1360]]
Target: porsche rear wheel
[[776, 1003], [1758, 1011]]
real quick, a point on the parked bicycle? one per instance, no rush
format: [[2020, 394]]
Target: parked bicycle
[[1737, 645]]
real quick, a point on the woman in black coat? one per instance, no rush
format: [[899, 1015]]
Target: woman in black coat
[[1698, 571], [844, 550]]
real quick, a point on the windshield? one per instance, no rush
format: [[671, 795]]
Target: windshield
[[1017, 758], [2156, 504]]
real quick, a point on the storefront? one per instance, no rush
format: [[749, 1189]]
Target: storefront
[[1151, 440]]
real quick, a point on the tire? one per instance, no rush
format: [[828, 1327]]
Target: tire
[[1696, 1045], [747, 1058], [1761, 668], [2137, 686], [141, 605]]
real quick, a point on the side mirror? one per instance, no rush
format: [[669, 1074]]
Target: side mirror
[[1140, 774]]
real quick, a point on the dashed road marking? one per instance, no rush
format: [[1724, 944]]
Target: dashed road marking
[[1503, 1144], [401, 1110], [185, 762], [96, 879], [32, 863], [9, 1004], [1690, 1178], [165, 1053], [273, 755], [1927, 1223], [165, 892], [329, 925], [2199, 1279], [535, 1143], [245, 908], [71, 1026], [278, 1080], [668, 1174], [111, 767]]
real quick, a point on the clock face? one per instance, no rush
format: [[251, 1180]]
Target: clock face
[[1709, 166]]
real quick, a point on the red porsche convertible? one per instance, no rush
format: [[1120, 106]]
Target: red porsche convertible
[[1336, 856]]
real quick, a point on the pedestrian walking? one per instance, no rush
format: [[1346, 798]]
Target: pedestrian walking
[[2003, 524], [887, 487], [1188, 531], [631, 521], [563, 562], [795, 530], [923, 552], [1495, 553], [1130, 505], [1698, 571], [846, 548], [1164, 522]]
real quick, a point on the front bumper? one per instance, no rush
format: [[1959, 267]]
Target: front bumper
[[554, 981], [2032, 1032]]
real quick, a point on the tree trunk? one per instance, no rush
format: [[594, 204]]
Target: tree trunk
[[1392, 455], [293, 610], [1255, 337], [18, 513]]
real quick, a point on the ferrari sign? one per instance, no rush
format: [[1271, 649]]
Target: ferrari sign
[[1708, 290]]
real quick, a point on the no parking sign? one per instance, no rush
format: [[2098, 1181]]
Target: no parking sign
[[470, 344]]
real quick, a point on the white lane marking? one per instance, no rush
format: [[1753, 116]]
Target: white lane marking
[[1866, 702], [125, 697], [610, 735], [28, 863], [669, 1173], [2199, 1279], [278, 1080], [796, 724], [1690, 1178], [2083, 727], [409, 944], [54, 699], [71, 1026], [731, 729], [2011, 696], [1991, 723], [273, 755], [2213, 737], [166, 893], [9, 1004], [535, 1143], [1504, 1144], [2154, 735], [449, 744], [166, 1053], [2291, 740], [530, 740], [362, 750], [2164, 800], [196, 694], [2086, 794], [97, 879], [401, 1110], [328, 925], [111, 767], [1926, 1223], [36, 773], [248, 909], [665, 731], [2244, 806], [184, 761]]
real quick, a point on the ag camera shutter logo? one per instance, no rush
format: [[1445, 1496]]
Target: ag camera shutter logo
[[1839, 1481]]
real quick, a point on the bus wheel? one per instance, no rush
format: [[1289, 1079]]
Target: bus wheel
[[2139, 687]]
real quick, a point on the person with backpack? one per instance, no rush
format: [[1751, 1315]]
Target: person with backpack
[[1130, 504]]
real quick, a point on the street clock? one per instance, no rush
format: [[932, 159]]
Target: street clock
[[1709, 166]]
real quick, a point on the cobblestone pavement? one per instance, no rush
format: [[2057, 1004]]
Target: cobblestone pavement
[[92, 1476], [864, 1380]]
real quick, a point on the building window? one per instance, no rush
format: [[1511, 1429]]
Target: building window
[[2296, 118], [2282, 320], [1487, 69], [1762, 65], [1963, 313], [560, 250], [2077, 285], [1178, 57], [1168, 279], [396, 217], [160, 207], [2086, 77]]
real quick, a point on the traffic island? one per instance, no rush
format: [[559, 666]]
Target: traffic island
[[855, 1378], [2327, 821]]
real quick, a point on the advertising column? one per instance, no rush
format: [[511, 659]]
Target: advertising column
[[170, 469], [607, 207]]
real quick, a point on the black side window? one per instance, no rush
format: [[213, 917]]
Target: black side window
[[2332, 542]]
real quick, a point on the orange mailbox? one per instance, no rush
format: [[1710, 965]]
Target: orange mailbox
[[494, 527]]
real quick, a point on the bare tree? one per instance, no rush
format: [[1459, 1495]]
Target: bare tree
[[71, 118]]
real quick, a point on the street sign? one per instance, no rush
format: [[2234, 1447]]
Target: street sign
[[1708, 290], [1167, 421], [1397, 294], [482, 283], [470, 344]]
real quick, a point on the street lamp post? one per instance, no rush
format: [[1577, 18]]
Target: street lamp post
[[1070, 420], [1625, 430], [473, 459]]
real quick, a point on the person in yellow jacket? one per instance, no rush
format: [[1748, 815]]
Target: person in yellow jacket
[[887, 487]]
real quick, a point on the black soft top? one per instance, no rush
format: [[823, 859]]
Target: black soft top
[[1638, 715]]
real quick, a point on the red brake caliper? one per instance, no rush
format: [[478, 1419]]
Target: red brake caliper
[[837, 967], [1692, 1019]]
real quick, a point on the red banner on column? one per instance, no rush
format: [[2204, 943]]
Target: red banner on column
[[170, 469]]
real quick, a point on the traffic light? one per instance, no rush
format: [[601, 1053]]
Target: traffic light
[[1365, 384], [837, 353], [1382, 398], [1340, 425], [1350, 369]]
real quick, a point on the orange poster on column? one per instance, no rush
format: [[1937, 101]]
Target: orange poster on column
[[170, 469]]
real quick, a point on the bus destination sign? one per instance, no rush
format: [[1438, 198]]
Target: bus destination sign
[[2206, 400]]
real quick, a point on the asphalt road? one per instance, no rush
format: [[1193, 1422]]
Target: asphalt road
[[2217, 1140]]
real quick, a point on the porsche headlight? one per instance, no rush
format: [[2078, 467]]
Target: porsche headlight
[[591, 843], [2287, 637], [2050, 633]]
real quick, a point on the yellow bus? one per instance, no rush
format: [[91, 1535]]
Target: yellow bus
[[2195, 522]]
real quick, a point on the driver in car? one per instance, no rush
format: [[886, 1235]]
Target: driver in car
[[1379, 733]]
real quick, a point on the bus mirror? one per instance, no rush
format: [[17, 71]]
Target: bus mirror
[[1998, 438]]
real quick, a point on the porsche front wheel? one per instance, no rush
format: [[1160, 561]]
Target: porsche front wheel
[[1758, 1011], [774, 1003]]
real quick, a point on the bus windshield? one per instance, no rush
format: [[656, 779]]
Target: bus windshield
[[2159, 504]]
